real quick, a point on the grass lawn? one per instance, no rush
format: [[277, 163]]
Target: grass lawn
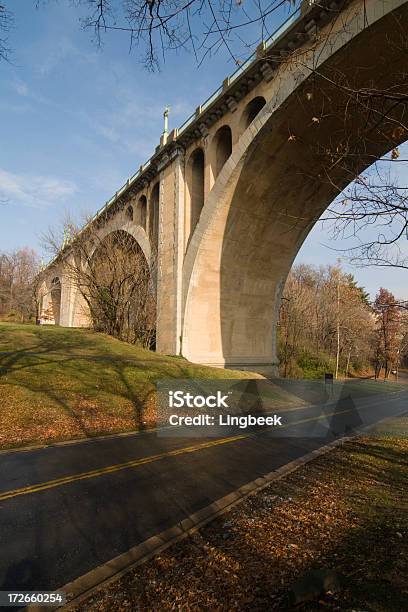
[[58, 383], [346, 512]]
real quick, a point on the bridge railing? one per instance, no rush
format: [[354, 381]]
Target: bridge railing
[[241, 69]]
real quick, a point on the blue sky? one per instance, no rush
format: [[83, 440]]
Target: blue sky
[[78, 120]]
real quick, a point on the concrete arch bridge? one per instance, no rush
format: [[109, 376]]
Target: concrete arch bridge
[[227, 200]]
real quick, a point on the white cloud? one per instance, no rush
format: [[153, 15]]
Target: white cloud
[[21, 88], [63, 50], [34, 191], [30, 95]]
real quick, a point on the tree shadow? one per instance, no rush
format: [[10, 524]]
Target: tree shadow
[[59, 369]]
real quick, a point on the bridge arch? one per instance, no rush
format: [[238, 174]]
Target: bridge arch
[[251, 111], [131, 228], [154, 210], [269, 195], [127, 309], [221, 146], [195, 191], [142, 211], [79, 311]]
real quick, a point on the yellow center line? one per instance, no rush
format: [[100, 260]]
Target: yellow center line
[[113, 468], [150, 459]]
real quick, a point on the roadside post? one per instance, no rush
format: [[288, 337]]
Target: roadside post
[[328, 381]]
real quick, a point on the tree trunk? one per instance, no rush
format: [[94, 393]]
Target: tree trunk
[[338, 332], [348, 363]]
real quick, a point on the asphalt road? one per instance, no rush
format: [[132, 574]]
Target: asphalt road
[[64, 510]]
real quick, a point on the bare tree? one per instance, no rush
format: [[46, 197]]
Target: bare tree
[[325, 322], [372, 215], [403, 351], [388, 333], [111, 274], [202, 27], [5, 25], [18, 271]]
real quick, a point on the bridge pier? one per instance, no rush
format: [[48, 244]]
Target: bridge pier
[[170, 258]]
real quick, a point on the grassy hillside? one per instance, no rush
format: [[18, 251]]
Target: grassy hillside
[[58, 383]]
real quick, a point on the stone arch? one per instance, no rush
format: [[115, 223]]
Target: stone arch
[[142, 211], [136, 231], [79, 316], [251, 111], [195, 191], [261, 211], [137, 234], [154, 210], [222, 148], [132, 310]]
